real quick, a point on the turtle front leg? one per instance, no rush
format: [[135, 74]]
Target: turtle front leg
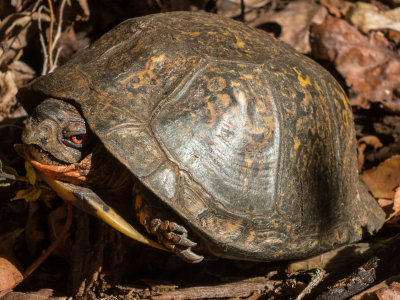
[[170, 234]]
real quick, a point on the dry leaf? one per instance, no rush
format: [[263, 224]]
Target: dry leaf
[[232, 8], [30, 172], [370, 140], [337, 8], [362, 143], [371, 70], [383, 179], [395, 206], [8, 90], [367, 17], [30, 194], [9, 275], [370, 293], [295, 21], [390, 293]]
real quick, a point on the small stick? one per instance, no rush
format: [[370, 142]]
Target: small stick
[[315, 280], [51, 34], [36, 5], [42, 42], [58, 35]]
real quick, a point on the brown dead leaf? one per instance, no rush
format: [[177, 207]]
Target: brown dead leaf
[[370, 293], [395, 205], [391, 206], [337, 8], [232, 8], [8, 90], [295, 21], [367, 17], [19, 4], [16, 31], [383, 179], [394, 36], [371, 70], [369, 140], [9, 275], [390, 293]]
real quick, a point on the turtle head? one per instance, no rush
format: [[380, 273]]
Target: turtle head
[[56, 139]]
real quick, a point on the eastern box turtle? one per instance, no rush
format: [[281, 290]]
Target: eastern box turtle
[[228, 141]]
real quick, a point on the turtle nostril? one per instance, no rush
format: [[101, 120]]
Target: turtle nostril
[[44, 141]]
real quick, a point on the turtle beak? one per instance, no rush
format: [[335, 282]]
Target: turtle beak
[[92, 204]]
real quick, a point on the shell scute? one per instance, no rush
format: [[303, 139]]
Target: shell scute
[[226, 140]]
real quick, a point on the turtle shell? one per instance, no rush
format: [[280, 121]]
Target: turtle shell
[[250, 142]]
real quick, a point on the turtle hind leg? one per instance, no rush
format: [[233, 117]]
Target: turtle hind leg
[[170, 234]]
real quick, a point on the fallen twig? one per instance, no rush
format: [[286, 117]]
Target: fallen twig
[[42, 42], [315, 280], [58, 35], [51, 34]]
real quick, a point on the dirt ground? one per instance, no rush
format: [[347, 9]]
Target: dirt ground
[[357, 42]]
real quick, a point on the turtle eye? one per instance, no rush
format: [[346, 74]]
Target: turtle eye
[[79, 139]]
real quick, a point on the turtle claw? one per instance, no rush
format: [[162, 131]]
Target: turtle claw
[[174, 237], [189, 256]]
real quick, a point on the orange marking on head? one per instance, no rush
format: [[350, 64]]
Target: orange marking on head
[[142, 218], [138, 201], [74, 173]]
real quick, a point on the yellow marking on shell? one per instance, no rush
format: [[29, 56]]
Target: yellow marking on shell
[[249, 161], [157, 58], [284, 94], [297, 143], [225, 99], [142, 77], [235, 83], [196, 208], [249, 76], [307, 98], [213, 114], [344, 100], [233, 226], [138, 47], [250, 239], [345, 118], [195, 33], [113, 122], [303, 82], [239, 42]]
